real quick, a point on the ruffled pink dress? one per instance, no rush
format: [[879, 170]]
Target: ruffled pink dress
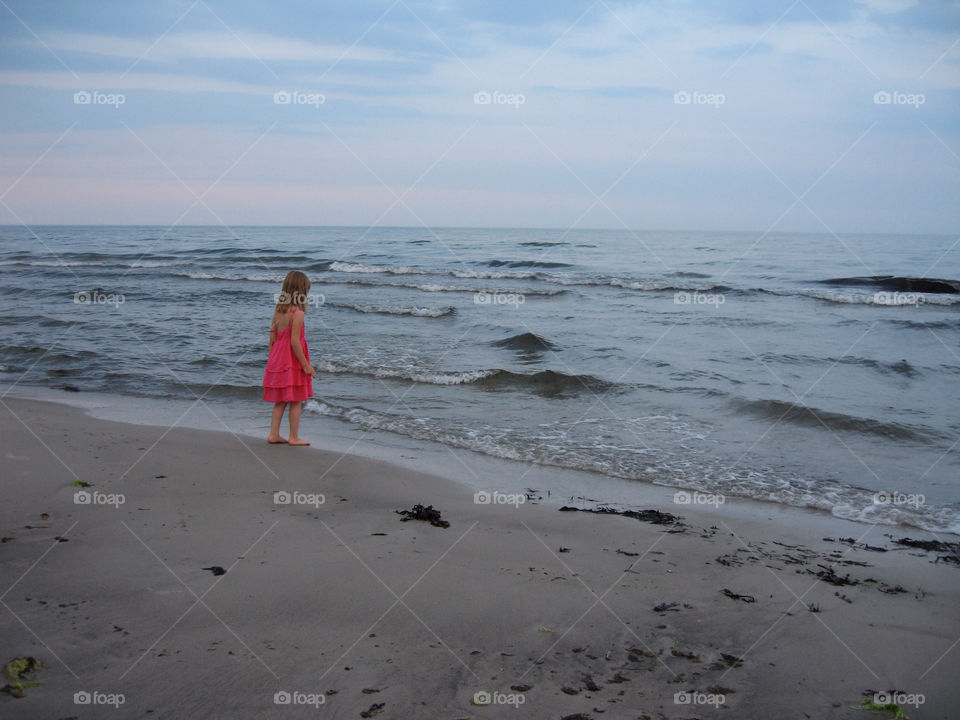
[[284, 380]]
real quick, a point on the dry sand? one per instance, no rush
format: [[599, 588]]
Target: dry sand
[[342, 602]]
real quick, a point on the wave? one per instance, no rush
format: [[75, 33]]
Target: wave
[[542, 243], [883, 298], [395, 310], [814, 417], [901, 367], [68, 263], [548, 449], [348, 267], [259, 277], [439, 287], [900, 283], [548, 383], [534, 272], [527, 264]]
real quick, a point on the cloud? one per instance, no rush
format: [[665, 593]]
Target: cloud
[[887, 7], [215, 46]]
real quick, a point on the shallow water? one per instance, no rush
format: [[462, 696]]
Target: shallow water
[[766, 367]]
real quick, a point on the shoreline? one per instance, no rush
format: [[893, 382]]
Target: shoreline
[[484, 472], [605, 616]]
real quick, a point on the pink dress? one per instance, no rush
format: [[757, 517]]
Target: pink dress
[[284, 380]]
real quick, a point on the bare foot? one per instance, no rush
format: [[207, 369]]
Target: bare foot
[[276, 440], [298, 441]]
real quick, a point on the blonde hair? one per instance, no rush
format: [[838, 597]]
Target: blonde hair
[[296, 285]]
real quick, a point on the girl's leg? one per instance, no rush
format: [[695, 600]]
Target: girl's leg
[[275, 418], [295, 439]]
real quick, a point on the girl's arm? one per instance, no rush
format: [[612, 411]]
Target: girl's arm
[[273, 334], [297, 348]]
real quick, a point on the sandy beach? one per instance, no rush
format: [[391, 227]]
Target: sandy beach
[[180, 584]]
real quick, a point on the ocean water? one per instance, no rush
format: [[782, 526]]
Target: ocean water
[[807, 369]]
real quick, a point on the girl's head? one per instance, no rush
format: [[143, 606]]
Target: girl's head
[[294, 292]]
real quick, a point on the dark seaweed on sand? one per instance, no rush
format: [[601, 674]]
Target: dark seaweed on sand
[[427, 514], [651, 516]]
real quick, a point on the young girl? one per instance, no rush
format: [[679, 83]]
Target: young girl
[[288, 377]]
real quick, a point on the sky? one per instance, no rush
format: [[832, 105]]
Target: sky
[[835, 116]]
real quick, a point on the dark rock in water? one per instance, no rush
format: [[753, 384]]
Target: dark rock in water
[[651, 516], [569, 691], [525, 342], [71, 388], [900, 284], [427, 514], [216, 570], [521, 688]]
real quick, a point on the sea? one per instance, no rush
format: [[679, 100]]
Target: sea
[[814, 370]]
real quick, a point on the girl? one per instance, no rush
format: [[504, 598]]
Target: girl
[[289, 374]]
